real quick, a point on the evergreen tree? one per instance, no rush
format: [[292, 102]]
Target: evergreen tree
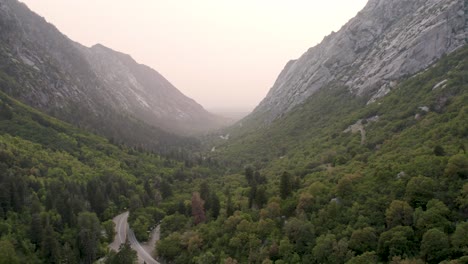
[[285, 185], [229, 205], [126, 255], [215, 205]]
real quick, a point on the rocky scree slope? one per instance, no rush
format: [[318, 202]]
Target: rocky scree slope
[[76, 83], [386, 41]]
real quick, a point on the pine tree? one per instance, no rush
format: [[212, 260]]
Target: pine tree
[[285, 185], [229, 205], [215, 206]]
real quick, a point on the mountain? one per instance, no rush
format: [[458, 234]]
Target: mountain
[[146, 94], [61, 186], [95, 88], [385, 42], [338, 180]]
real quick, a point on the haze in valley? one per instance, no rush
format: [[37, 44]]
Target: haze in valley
[[224, 54]]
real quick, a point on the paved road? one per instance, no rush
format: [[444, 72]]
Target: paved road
[[122, 231]]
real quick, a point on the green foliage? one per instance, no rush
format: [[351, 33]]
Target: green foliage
[[435, 216], [173, 223], [460, 238], [169, 248], [126, 255], [420, 190], [89, 231], [399, 213], [344, 198], [329, 250], [434, 246], [310, 193], [285, 185], [109, 228], [59, 183], [366, 258], [363, 240], [457, 167], [398, 241], [7, 253]]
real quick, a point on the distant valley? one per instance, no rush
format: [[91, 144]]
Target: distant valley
[[358, 153]]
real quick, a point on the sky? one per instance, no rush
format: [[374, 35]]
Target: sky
[[225, 54]]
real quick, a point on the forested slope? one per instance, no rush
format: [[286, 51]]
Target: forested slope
[[60, 186], [340, 181]]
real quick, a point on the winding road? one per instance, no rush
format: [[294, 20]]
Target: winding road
[[122, 232]]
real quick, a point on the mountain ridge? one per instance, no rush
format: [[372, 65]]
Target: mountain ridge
[[63, 76], [386, 41]]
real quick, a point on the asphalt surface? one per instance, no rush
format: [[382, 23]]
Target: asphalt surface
[[122, 232]]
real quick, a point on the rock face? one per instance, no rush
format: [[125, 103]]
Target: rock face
[[66, 79], [387, 40], [145, 93]]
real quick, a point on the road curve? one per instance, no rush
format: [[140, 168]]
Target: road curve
[[122, 232]]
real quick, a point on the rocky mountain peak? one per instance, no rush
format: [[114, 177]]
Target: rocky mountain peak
[[387, 40], [62, 76]]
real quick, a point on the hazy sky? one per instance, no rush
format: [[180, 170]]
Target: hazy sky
[[222, 53]]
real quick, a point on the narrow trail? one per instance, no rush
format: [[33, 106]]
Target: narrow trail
[[358, 127]]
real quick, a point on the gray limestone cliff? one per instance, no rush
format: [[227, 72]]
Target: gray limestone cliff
[[387, 40]]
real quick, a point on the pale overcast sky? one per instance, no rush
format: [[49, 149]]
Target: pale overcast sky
[[225, 54]]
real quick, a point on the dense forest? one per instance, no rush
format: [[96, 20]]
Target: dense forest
[[334, 181], [338, 181], [60, 186]]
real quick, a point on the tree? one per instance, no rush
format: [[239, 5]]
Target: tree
[[439, 150], [126, 255], [252, 194], [50, 245], [305, 204], [399, 213], [344, 188], [205, 194], [229, 205], [249, 175], [173, 223], [460, 238], [89, 231], [7, 253], [419, 191], [434, 246], [363, 240], [260, 197], [366, 258], [329, 250], [457, 166], [198, 211], [166, 189], [109, 228], [206, 258], [215, 205], [169, 248], [301, 233], [435, 216], [285, 185], [397, 241], [36, 229], [462, 199]]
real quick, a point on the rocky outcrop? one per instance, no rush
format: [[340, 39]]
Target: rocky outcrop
[[66, 79], [386, 41], [145, 93]]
